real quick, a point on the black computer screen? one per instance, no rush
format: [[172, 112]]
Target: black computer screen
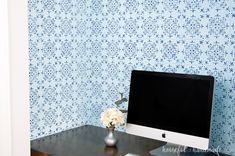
[[174, 102]]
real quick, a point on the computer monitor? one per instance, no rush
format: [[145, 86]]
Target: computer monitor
[[174, 108]]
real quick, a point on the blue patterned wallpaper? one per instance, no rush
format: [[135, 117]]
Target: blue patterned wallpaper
[[82, 53]]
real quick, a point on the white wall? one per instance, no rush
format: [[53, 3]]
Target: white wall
[[5, 115], [14, 90]]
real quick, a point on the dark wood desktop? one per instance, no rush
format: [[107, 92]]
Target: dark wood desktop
[[89, 141]]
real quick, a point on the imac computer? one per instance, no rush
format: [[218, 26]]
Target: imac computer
[[174, 108]]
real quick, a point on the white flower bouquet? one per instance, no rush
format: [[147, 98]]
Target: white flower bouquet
[[112, 117]]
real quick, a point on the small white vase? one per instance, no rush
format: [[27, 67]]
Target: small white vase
[[110, 139]]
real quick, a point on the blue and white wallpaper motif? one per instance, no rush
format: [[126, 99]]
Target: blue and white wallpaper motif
[[82, 53]]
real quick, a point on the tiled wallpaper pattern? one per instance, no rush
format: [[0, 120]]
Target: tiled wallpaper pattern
[[82, 53]]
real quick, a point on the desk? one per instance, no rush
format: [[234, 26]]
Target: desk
[[89, 141]]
